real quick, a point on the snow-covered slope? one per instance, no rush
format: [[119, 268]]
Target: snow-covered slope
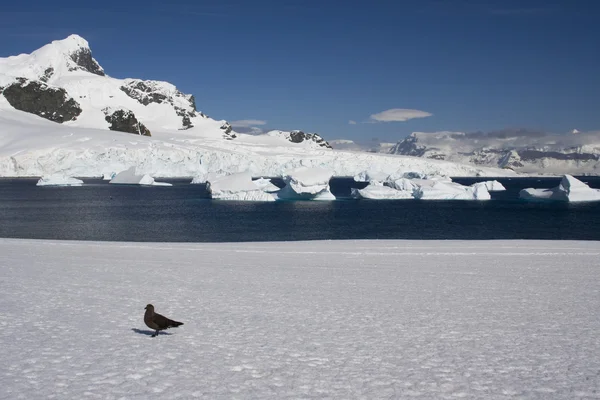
[[520, 150], [62, 82]]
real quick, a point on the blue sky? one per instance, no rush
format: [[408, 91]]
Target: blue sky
[[316, 65]]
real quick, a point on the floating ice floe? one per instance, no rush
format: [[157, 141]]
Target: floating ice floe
[[59, 180], [439, 190], [128, 177], [491, 186], [306, 183], [377, 191], [569, 190], [266, 185], [237, 187]]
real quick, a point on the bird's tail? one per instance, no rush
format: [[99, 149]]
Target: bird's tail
[[175, 324]]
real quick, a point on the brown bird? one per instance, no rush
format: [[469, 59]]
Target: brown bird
[[158, 322]]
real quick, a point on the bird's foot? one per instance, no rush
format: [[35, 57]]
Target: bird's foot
[[153, 335]]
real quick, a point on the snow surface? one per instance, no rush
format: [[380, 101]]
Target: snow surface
[[323, 319], [372, 175], [59, 180], [570, 189], [237, 187], [129, 177]]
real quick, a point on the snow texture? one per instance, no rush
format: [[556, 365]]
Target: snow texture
[[59, 180], [129, 177], [320, 319], [570, 189], [237, 187], [369, 176]]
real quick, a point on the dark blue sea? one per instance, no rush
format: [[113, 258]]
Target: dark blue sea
[[185, 213]]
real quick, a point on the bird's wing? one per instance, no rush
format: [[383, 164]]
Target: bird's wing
[[162, 321]]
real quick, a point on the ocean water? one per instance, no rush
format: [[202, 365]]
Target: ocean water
[[185, 213]]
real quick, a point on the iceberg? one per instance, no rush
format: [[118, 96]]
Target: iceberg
[[378, 191], [266, 185], [570, 189], [128, 177], [58, 180], [237, 187], [307, 183], [438, 190], [491, 186], [108, 177]]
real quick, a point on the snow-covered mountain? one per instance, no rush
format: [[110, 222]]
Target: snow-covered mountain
[[520, 150], [61, 113]]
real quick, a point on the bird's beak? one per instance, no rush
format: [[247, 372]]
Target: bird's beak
[[145, 308]]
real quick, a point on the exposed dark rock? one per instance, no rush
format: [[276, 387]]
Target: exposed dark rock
[[125, 121], [40, 99], [408, 147], [299, 137], [47, 74], [185, 117], [143, 93], [192, 101], [532, 155], [83, 58], [228, 131]]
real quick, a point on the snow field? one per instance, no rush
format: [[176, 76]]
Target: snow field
[[323, 319]]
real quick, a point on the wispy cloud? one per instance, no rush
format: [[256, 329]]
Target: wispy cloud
[[351, 122], [250, 126], [398, 115], [247, 123]]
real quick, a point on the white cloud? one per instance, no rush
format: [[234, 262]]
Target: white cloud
[[398, 115], [352, 122], [247, 123]]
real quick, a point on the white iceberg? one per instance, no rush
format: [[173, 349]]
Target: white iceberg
[[306, 183], [266, 185], [108, 177], [237, 187], [59, 180], [438, 190], [569, 190], [377, 191], [128, 177], [491, 186]]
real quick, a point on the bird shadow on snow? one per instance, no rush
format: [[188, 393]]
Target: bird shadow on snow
[[148, 333]]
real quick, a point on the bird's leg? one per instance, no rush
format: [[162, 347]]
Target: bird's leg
[[155, 333]]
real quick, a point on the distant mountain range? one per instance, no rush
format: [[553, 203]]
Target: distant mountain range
[[520, 150]]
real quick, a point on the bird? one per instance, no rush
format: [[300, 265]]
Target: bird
[[158, 322]]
